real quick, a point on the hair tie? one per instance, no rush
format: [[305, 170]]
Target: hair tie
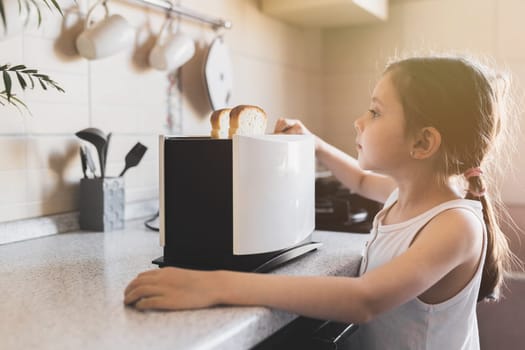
[[472, 172], [480, 193]]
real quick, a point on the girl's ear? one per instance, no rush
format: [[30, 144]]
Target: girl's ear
[[426, 143]]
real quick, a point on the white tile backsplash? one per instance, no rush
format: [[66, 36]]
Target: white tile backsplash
[[11, 50], [53, 118], [12, 121], [74, 86], [45, 55], [12, 153], [52, 152], [13, 187]]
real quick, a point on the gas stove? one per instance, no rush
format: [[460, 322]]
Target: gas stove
[[337, 209]]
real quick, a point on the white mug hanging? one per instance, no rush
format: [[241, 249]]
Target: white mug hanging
[[106, 37], [171, 50]]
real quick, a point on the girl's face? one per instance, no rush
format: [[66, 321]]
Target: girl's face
[[381, 142]]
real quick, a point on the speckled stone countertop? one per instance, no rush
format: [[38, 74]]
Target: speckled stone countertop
[[65, 291]]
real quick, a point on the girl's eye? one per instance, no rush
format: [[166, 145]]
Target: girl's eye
[[374, 113]]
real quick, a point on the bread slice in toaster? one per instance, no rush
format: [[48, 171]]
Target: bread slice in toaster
[[241, 120], [220, 123], [247, 120]]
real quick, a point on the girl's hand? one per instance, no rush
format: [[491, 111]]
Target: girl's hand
[[290, 126], [295, 126], [171, 288]]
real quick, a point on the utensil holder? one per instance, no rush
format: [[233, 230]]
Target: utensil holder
[[102, 204]]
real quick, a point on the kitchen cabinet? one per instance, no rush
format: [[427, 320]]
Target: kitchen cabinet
[[326, 13]]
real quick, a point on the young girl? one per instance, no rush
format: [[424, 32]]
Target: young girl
[[435, 249]]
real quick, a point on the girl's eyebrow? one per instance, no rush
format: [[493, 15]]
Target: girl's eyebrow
[[376, 100]]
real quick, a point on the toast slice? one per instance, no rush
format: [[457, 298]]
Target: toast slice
[[247, 120], [220, 123]]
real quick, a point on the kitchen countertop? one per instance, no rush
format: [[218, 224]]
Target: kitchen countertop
[[65, 291]]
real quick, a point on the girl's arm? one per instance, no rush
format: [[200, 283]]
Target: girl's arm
[[449, 241], [347, 170], [344, 167]]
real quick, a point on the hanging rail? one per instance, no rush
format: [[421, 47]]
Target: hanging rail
[[160, 4]]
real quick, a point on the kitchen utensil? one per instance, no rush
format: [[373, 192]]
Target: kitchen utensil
[[108, 36], [90, 162], [171, 50], [102, 204], [218, 74], [98, 139], [134, 156], [224, 221], [108, 140], [83, 161]]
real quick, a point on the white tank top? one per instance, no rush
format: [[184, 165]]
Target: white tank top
[[451, 324]]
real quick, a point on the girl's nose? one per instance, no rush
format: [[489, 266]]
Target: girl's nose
[[358, 124]]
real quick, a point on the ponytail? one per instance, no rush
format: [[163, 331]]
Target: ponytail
[[498, 256]]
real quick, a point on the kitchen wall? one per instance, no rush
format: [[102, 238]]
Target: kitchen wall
[[276, 66], [354, 57], [323, 77]]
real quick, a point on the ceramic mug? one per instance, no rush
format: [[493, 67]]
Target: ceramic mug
[[15, 17], [171, 50], [106, 37]]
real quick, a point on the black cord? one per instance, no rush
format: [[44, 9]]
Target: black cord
[[153, 218]]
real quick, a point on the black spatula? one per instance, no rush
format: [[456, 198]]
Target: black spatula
[[134, 156], [99, 139]]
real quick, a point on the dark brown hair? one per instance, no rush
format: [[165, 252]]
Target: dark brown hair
[[464, 101]]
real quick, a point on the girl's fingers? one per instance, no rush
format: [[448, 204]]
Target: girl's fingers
[[283, 125], [154, 303], [142, 291], [279, 125], [149, 273], [139, 280]]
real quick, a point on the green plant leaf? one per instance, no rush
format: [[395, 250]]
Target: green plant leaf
[[17, 102], [2, 15], [14, 101], [56, 86], [7, 82], [3, 97], [47, 4], [28, 8], [21, 80], [42, 84], [32, 82], [18, 67], [57, 6]]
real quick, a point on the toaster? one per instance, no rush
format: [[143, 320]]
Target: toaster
[[245, 204]]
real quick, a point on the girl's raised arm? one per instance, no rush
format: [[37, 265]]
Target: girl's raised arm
[[344, 167]]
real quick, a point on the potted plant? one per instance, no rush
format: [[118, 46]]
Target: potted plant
[[26, 77]]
